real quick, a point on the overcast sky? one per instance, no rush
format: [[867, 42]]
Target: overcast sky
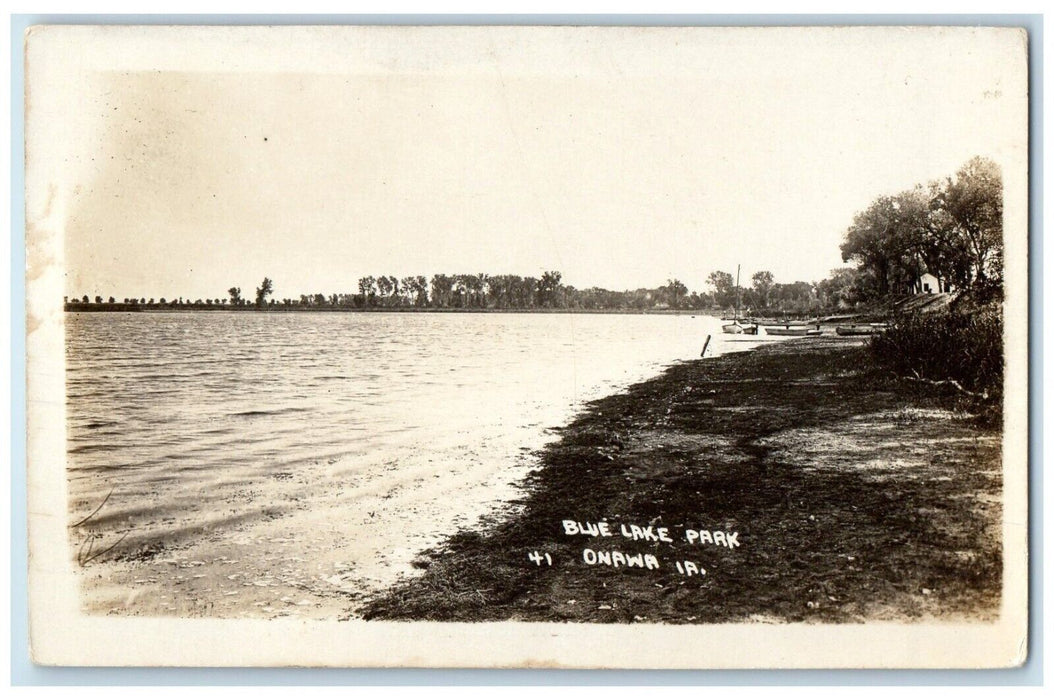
[[620, 158]]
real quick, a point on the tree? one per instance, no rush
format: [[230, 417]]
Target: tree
[[460, 291], [525, 293], [846, 287], [796, 298], [442, 290], [871, 241], [420, 286], [673, 292], [973, 201], [951, 229], [416, 290], [500, 287], [762, 280], [235, 294], [366, 289], [724, 286], [473, 285], [924, 234], [407, 287], [482, 287], [548, 287], [263, 291], [384, 288]]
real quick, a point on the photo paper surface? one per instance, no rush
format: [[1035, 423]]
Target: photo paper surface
[[564, 347]]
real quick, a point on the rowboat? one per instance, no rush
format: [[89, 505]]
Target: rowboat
[[869, 329], [740, 327], [790, 330]]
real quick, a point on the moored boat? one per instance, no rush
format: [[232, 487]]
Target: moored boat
[[789, 330], [869, 329], [739, 326], [733, 328]]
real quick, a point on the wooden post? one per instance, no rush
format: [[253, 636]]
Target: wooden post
[[707, 343]]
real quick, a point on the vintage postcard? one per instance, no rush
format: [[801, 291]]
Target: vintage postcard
[[564, 347]]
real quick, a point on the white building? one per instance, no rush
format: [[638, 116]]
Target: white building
[[929, 284]]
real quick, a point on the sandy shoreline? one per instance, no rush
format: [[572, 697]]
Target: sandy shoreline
[[840, 495], [311, 541]]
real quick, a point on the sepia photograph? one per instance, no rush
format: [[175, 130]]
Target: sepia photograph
[[527, 346]]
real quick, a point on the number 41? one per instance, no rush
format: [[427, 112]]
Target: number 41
[[537, 558]]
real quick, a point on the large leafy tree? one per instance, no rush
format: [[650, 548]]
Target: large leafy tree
[[973, 201], [442, 290], [384, 288], [762, 282], [367, 288], [419, 284], [674, 293], [482, 288], [548, 289], [406, 291], [263, 291], [846, 287], [473, 286], [951, 229], [872, 241], [724, 286]]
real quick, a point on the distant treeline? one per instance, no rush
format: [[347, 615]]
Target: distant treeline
[[483, 292]]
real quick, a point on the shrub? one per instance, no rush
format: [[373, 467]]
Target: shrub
[[964, 345]]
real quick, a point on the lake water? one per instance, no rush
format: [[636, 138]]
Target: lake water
[[288, 464]]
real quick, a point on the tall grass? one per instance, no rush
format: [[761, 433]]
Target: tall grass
[[963, 344]]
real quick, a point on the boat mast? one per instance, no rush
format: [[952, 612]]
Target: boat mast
[[737, 293]]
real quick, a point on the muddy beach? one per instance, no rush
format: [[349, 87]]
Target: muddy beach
[[795, 482]]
